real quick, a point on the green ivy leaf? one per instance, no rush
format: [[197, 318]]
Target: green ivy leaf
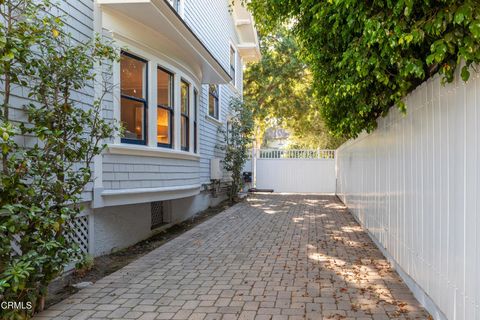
[[465, 73], [9, 56], [475, 29]]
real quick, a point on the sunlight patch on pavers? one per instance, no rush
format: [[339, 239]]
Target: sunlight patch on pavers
[[277, 257]]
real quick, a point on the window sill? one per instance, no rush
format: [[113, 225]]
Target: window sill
[[213, 120], [119, 197], [234, 88], [145, 151]]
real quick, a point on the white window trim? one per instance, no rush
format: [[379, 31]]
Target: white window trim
[[147, 151], [208, 116], [213, 120], [194, 109], [234, 47], [155, 61]]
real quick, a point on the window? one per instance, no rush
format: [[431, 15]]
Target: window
[[164, 108], [185, 111], [175, 4], [213, 101], [133, 105], [232, 64], [195, 106]]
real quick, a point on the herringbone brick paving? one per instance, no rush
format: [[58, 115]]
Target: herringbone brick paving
[[272, 257]]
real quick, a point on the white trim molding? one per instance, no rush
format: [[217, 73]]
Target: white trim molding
[[146, 151], [213, 120], [114, 197], [174, 35]]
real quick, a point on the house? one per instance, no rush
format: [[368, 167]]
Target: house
[[181, 63]]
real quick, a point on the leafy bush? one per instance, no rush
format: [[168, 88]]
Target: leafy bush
[[85, 264], [47, 156], [366, 56], [237, 140]]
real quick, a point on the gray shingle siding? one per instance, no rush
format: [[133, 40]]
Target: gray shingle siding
[[78, 18], [121, 171], [213, 24]]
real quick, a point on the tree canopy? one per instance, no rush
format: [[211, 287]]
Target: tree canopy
[[280, 88], [365, 56]]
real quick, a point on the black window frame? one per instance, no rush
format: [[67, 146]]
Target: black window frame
[[233, 63], [168, 108], [216, 107], [144, 101], [195, 117], [185, 115]]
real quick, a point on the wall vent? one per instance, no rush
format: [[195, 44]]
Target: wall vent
[[158, 214]]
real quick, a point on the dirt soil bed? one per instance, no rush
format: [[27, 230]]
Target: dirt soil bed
[[62, 288]]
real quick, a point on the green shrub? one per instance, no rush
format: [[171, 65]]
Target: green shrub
[[41, 182], [237, 140], [365, 56]]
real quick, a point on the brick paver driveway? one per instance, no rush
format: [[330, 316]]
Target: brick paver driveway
[[271, 257]]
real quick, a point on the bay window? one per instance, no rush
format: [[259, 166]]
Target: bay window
[[133, 105], [164, 108]]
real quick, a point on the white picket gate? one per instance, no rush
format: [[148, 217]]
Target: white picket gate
[[294, 171]]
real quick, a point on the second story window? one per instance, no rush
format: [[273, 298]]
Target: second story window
[[232, 64], [185, 112], [133, 113], [164, 108], [213, 107]]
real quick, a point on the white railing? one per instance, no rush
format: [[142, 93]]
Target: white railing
[[295, 154]]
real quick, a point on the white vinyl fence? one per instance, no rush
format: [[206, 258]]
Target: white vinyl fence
[[414, 183], [295, 171]]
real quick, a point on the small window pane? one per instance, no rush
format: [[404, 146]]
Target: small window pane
[[184, 97], [213, 89], [132, 79], [211, 106], [132, 118], [184, 131], [163, 126], [232, 57], [164, 88], [232, 64], [213, 101], [195, 106]]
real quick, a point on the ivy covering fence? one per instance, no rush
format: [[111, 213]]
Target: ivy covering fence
[[365, 56]]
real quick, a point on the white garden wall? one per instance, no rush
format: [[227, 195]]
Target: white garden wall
[[296, 175], [414, 183]]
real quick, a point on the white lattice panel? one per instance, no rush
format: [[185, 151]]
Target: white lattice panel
[[79, 232]]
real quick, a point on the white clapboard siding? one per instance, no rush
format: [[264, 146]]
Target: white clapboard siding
[[212, 22], [414, 183]]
